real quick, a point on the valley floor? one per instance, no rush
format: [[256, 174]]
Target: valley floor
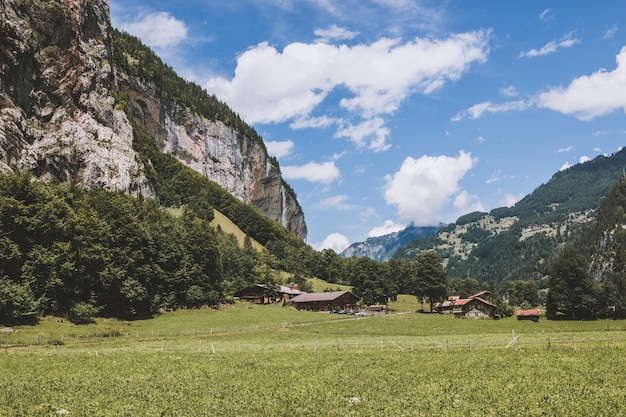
[[252, 360]]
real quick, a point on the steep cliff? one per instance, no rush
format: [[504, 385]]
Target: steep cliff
[[238, 163], [58, 116]]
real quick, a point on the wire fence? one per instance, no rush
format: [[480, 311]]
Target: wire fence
[[215, 343]]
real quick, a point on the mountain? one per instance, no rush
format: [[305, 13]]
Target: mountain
[[607, 250], [76, 94], [381, 248], [520, 242]]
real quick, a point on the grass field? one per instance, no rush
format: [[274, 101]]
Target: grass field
[[250, 360]]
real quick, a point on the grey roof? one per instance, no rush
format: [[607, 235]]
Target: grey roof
[[288, 290], [318, 296]]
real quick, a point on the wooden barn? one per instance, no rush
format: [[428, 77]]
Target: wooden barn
[[263, 294], [326, 301], [528, 315]]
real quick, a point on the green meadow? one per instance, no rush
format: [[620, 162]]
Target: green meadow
[[251, 360]]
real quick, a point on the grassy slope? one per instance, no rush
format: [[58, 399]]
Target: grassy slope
[[231, 228]]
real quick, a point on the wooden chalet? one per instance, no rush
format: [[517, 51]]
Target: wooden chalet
[[528, 315], [472, 307], [264, 294], [326, 301]]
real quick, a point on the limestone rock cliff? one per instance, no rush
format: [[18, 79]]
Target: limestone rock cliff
[[238, 163], [58, 117]]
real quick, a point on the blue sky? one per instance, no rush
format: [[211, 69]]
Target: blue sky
[[387, 112]]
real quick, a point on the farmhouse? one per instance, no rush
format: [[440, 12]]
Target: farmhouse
[[326, 301], [475, 306], [528, 314], [264, 294]]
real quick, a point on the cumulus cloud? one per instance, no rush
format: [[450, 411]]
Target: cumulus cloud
[[478, 110], [386, 228], [423, 187], [334, 241], [157, 30], [465, 202], [509, 200], [371, 133], [324, 173], [551, 47], [272, 86], [279, 149], [592, 95]]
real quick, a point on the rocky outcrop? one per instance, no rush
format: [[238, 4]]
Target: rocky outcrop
[[236, 162], [57, 115]]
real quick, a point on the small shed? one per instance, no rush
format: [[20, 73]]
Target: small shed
[[528, 315], [326, 301]]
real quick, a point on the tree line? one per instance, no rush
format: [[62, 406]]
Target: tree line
[[69, 252]]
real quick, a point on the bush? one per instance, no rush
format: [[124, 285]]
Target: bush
[[83, 313]]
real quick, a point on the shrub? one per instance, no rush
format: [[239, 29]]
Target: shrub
[[83, 313]]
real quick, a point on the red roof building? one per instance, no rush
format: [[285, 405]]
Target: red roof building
[[473, 307], [528, 314]]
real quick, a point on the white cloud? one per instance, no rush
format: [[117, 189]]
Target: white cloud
[[545, 14], [279, 149], [271, 86], [387, 228], [334, 241], [509, 91], [423, 187], [336, 202], [509, 200], [565, 166], [601, 132], [592, 95], [551, 47], [478, 110], [335, 32], [610, 32], [567, 149], [157, 30], [465, 202], [496, 177], [324, 173], [314, 122], [584, 159], [373, 129]]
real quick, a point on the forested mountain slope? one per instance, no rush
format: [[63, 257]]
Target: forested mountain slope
[[520, 242]]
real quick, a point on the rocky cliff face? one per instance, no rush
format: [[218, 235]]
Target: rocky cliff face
[[58, 117], [238, 163]]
